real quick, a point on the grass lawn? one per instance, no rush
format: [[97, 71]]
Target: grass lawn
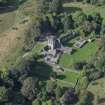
[[37, 48], [98, 90], [68, 78], [86, 8], [83, 54]]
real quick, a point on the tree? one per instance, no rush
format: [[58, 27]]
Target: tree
[[37, 102], [56, 23], [100, 61], [8, 103], [29, 88], [51, 85], [33, 32], [46, 23], [79, 18], [85, 1], [97, 18], [58, 92], [16, 98], [3, 94], [41, 7], [53, 75], [56, 6], [97, 28], [86, 98], [79, 65], [9, 1], [83, 83], [95, 75], [102, 43], [88, 27], [103, 30], [101, 2], [93, 2], [69, 97], [44, 95], [4, 73], [68, 22]]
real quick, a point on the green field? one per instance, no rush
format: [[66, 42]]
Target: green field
[[86, 8], [68, 78], [83, 54]]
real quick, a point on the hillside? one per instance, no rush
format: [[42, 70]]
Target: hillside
[[12, 32], [52, 52]]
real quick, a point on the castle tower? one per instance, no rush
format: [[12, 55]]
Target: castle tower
[[51, 42]]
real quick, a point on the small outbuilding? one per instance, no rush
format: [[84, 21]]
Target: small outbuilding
[[80, 43]]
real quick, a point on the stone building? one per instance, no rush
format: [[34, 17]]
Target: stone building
[[54, 43], [54, 49]]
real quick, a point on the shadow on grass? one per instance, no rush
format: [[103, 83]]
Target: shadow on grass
[[7, 7], [61, 77], [90, 99], [71, 9], [101, 101], [40, 69], [68, 1], [33, 67], [67, 44], [43, 71]]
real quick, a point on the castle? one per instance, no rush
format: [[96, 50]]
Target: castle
[[54, 49]]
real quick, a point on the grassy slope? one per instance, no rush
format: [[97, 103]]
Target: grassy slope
[[83, 54], [12, 41], [7, 20]]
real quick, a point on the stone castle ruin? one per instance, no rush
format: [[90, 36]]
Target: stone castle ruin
[[54, 49]]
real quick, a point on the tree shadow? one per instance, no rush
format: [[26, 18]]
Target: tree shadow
[[30, 67], [61, 77], [22, 1], [101, 101], [42, 70], [6, 7], [95, 83], [67, 44], [71, 9], [90, 98], [68, 1]]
